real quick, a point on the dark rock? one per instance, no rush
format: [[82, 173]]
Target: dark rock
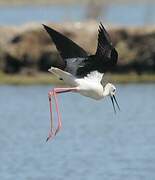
[[12, 65]]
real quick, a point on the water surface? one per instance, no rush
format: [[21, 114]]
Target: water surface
[[94, 143], [123, 14]]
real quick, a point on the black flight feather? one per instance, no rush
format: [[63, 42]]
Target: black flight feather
[[104, 42], [66, 47], [103, 60]]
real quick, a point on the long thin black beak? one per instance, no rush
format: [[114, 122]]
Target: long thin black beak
[[116, 102], [113, 103], [113, 99]]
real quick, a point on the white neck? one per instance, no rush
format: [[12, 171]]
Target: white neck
[[105, 91]]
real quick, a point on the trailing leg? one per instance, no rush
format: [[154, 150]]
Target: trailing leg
[[54, 93]]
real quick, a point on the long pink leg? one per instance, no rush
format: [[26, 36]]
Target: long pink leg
[[50, 94], [54, 93], [58, 113]]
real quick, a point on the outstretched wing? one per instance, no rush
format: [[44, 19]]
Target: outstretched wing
[[105, 47], [104, 42], [66, 47]]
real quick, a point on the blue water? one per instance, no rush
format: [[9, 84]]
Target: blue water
[[123, 14], [94, 143], [24, 14]]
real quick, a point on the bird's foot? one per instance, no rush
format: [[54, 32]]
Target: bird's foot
[[57, 129], [51, 135]]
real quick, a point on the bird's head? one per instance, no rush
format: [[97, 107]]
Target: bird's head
[[110, 90]]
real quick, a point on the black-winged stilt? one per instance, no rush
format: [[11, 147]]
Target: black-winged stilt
[[82, 73]]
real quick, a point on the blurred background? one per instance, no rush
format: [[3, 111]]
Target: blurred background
[[130, 24], [94, 143], [120, 12]]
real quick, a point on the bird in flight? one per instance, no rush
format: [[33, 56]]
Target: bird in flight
[[82, 72]]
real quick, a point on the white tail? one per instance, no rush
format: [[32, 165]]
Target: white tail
[[65, 76]]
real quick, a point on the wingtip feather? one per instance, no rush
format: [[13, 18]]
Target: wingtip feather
[[100, 23], [47, 28], [44, 26]]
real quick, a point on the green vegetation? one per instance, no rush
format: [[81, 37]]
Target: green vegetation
[[22, 79], [45, 78]]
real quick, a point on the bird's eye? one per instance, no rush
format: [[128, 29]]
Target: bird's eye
[[114, 90]]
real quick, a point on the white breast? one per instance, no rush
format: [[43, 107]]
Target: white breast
[[90, 89], [91, 86]]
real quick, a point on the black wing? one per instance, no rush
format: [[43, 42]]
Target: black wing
[[104, 42], [66, 47], [105, 47], [105, 57]]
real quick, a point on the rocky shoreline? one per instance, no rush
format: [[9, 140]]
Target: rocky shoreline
[[27, 49]]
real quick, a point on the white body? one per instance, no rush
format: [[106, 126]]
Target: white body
[[89, 86], [90, 89]]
